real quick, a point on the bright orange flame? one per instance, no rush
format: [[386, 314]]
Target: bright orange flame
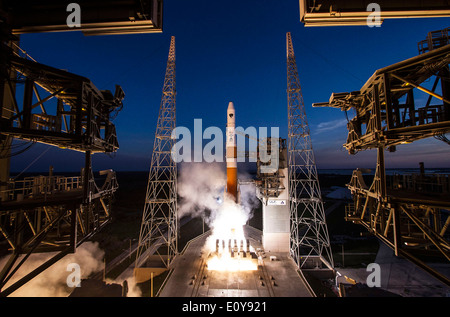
[[228, 233]]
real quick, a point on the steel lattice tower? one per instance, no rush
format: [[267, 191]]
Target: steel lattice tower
[[159, 227], [309, 233]]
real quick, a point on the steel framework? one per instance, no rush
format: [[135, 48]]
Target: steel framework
[[410, 213], [81, 118], [99, 17], [52, 213], [55, 107], [159, 227], [434, 40], [309, 232], [270, 183], [387, 113], [357, 12]]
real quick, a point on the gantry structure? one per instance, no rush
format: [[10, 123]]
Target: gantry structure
[[410, 213], [309, 233], [270, 180], [159, 226], [357, 12], [54, 214]]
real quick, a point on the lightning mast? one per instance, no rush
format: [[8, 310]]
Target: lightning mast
[[309, 234], [159, 227]]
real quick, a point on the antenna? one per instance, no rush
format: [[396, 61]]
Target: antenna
[[159, 226]]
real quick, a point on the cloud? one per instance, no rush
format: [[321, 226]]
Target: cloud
[[330, 125], [201, 189]]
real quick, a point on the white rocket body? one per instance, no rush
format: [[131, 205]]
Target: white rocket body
[[231, 154]]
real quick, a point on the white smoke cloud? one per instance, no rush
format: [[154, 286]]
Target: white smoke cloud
[[53, 281], [201, 189], [248, 199]]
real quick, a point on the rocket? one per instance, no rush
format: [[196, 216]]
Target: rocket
[[231, 154]]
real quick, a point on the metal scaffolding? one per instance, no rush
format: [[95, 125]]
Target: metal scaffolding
[[81, 120], [309, 232], [51, 213], [270, 183], [410, 213], [43, 104], [159, 227]]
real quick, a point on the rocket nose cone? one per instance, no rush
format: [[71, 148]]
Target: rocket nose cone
[[230, 106]]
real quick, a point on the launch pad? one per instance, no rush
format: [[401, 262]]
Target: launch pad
[[275, 274]]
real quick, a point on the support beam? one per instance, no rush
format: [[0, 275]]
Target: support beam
[[431, 93]]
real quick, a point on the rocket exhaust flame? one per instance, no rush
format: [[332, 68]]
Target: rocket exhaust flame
[[227, 247], [232, 256], [200, 185]]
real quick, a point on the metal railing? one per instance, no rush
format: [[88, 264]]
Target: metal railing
[[421, 183], [434, 40], [38, 186]]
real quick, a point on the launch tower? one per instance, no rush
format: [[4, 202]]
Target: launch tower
[[309, 232], [159, 227]]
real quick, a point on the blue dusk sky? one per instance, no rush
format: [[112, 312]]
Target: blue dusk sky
[[232, 51]]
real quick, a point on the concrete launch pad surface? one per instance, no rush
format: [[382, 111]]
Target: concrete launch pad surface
[[276, 275]]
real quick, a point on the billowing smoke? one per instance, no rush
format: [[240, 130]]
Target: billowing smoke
[[248, 198], [53, 281], [201, 189]]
